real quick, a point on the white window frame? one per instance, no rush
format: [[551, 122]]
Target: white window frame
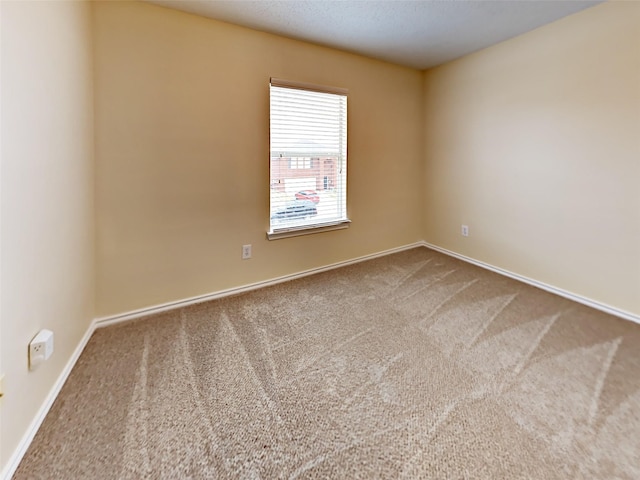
[[304, 161]]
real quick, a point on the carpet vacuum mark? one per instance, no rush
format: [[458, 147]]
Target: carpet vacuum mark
[[413, 365]]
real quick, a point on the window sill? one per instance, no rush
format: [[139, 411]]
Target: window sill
[[307, 229]]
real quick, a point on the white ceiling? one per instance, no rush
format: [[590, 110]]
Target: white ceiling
[[415, 33]]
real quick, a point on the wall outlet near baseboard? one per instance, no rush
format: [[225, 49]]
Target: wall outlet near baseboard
[[246, 252], [40, 348], [465, 230]]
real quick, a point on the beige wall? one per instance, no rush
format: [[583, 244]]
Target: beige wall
[[182, 155], [47, 198], [535, 144]]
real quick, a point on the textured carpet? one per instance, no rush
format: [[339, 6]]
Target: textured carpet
[[415, 365]]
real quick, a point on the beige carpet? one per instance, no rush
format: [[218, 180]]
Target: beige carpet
[[414, 365]]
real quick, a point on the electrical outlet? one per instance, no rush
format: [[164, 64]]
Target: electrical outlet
[[246, 252], [40, 348], [465, 230]]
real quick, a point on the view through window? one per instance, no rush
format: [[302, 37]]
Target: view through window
[[308, 171]]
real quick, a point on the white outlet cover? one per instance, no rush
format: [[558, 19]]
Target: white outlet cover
[[40, 348]]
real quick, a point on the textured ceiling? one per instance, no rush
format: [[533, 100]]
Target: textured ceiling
[[417, 33]]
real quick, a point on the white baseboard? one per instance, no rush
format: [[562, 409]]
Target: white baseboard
[[143, 312], [26, 440], [549, 288]]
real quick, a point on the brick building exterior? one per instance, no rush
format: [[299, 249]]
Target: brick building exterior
[[303, 173]]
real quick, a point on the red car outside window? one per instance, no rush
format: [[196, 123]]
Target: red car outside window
[[308, 195]]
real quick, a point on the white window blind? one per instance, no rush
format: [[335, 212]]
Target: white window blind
[[308, 171]]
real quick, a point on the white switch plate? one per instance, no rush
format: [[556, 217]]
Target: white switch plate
[[246, 252], [465, 230]]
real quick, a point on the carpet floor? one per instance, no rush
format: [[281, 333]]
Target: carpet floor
[[413, 365]]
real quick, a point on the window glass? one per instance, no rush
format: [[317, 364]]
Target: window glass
[[308, 166]]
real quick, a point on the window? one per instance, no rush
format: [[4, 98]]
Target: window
[[299, 162], [308, 169]]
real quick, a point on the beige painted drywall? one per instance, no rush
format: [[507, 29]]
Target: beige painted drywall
[[182, 155], [47, 198], [535, 145]]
